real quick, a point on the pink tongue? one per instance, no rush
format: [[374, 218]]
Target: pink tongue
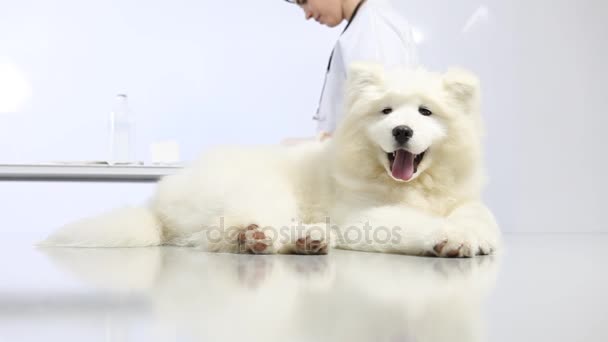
[[403, 166]]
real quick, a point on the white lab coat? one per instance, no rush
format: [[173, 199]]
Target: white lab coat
[[377, 33]]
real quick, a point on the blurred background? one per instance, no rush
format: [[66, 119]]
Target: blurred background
[[208, 72]]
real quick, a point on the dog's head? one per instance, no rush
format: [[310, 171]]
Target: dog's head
[[408, 122]]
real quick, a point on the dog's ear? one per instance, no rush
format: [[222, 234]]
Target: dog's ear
[[462, 88], [364, 74], [363, 78]]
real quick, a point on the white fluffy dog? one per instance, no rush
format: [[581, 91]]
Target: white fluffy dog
[[402, 174]]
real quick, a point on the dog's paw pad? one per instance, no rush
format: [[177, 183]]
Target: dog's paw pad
[[459, 251], [462, 242], [438, 248], [253, 240], [311, 245], [453, 249], [485, 249]]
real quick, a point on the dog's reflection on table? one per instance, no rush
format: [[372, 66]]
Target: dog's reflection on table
[[345, 296]]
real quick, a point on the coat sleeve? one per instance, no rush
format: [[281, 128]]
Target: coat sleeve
[[383, 37]]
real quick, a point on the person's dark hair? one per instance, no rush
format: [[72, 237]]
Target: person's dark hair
[[297, 2]]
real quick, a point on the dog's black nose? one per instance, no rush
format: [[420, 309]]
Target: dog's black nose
[[402, 133]]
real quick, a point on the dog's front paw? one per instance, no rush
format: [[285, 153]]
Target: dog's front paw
[[314, 243], [253, 240], [462, 243]]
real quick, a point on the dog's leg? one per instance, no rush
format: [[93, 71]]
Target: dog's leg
[[254, 240], [234, 235], [469, 230], [388, 229], [307, 239]]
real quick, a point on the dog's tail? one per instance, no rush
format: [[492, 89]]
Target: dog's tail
[[125, 227]]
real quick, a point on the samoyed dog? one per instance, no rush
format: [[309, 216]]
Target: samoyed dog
[[402, 174]]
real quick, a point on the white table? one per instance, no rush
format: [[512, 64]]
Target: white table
[[546, 287], [85, 172]]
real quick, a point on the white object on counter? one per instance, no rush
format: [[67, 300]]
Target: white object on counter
[[164, 152]]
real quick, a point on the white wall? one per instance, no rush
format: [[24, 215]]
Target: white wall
[[200, 72], [208, 72]]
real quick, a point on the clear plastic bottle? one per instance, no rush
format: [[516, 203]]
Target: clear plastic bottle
[[122, 132]]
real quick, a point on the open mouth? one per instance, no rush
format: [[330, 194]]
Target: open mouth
[[403, 164]]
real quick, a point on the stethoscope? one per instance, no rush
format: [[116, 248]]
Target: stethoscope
[[331, 56]]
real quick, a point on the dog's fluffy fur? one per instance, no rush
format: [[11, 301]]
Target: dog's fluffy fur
[[344, 191]]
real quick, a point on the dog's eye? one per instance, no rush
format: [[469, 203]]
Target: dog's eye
[[424, 111], [387, 110]]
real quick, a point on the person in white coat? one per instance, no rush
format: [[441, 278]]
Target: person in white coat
[[375, 32]]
